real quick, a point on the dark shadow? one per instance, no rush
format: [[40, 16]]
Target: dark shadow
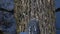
[[57, 10], [5, 10], [1, 32]]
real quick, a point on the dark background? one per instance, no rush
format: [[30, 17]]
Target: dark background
[[57, 5]]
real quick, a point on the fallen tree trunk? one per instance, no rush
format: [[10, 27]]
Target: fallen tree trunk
[[41, 10]]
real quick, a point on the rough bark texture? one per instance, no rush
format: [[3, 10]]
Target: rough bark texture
[[41, 10]]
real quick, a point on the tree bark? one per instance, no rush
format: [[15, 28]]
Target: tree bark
[[41, 10]]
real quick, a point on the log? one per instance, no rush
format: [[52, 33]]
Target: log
[[41, 10]]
